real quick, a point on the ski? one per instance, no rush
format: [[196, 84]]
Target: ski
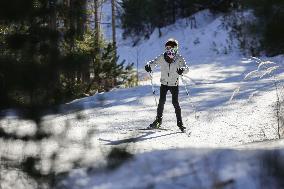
[[188, 133], [149, 129]]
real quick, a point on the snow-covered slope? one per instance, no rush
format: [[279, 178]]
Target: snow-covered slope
[[214, 155], [212, 119], [190, 168], [210, 38], [113, 119]]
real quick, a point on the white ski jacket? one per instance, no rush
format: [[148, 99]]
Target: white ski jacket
[[169, 75]]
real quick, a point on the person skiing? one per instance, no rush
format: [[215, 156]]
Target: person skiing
[[172, 65]]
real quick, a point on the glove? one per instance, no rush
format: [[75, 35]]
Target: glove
[[148, 68], [180, 71]]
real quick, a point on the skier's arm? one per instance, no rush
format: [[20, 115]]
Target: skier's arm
[[183, 65], [155, 62]]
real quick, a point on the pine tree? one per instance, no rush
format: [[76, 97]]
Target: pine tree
[[48, 43]]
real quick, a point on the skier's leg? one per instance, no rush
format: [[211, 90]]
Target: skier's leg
[[158, 121], [162, 100], [174, 90]]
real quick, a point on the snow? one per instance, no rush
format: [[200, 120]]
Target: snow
[[228, 139], [190, 168], [211, 33]]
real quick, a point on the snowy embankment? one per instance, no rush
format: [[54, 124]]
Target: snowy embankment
[[217, 153], [190, 168]]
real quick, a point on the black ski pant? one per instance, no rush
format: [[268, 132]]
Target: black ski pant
[[163, 94]]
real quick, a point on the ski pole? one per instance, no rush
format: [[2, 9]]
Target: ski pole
[[153, 89], [187, 93]]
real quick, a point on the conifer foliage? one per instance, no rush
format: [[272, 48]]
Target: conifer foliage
[[159, 13], [48, 54], [269, 26]]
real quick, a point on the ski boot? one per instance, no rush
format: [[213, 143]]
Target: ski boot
[[156, 124], [181, 127]]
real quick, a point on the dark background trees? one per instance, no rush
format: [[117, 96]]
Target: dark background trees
[[160, 13], [50, 54], [269, 26], [268, 29]]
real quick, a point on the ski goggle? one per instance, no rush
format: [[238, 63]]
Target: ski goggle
[[171, 51], [170, 48]]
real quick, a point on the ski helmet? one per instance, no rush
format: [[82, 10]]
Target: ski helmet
[[172, 42]]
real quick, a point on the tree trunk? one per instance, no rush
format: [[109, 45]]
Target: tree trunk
[[97, 24], [96, 55], [113, 27], [53, 66], [52, 20], [113, 35], [84, 75], [82, 18]]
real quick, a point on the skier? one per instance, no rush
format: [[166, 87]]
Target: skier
[[172, 65]]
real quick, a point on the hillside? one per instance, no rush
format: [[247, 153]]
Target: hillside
[[210, 38], [230, 141]]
